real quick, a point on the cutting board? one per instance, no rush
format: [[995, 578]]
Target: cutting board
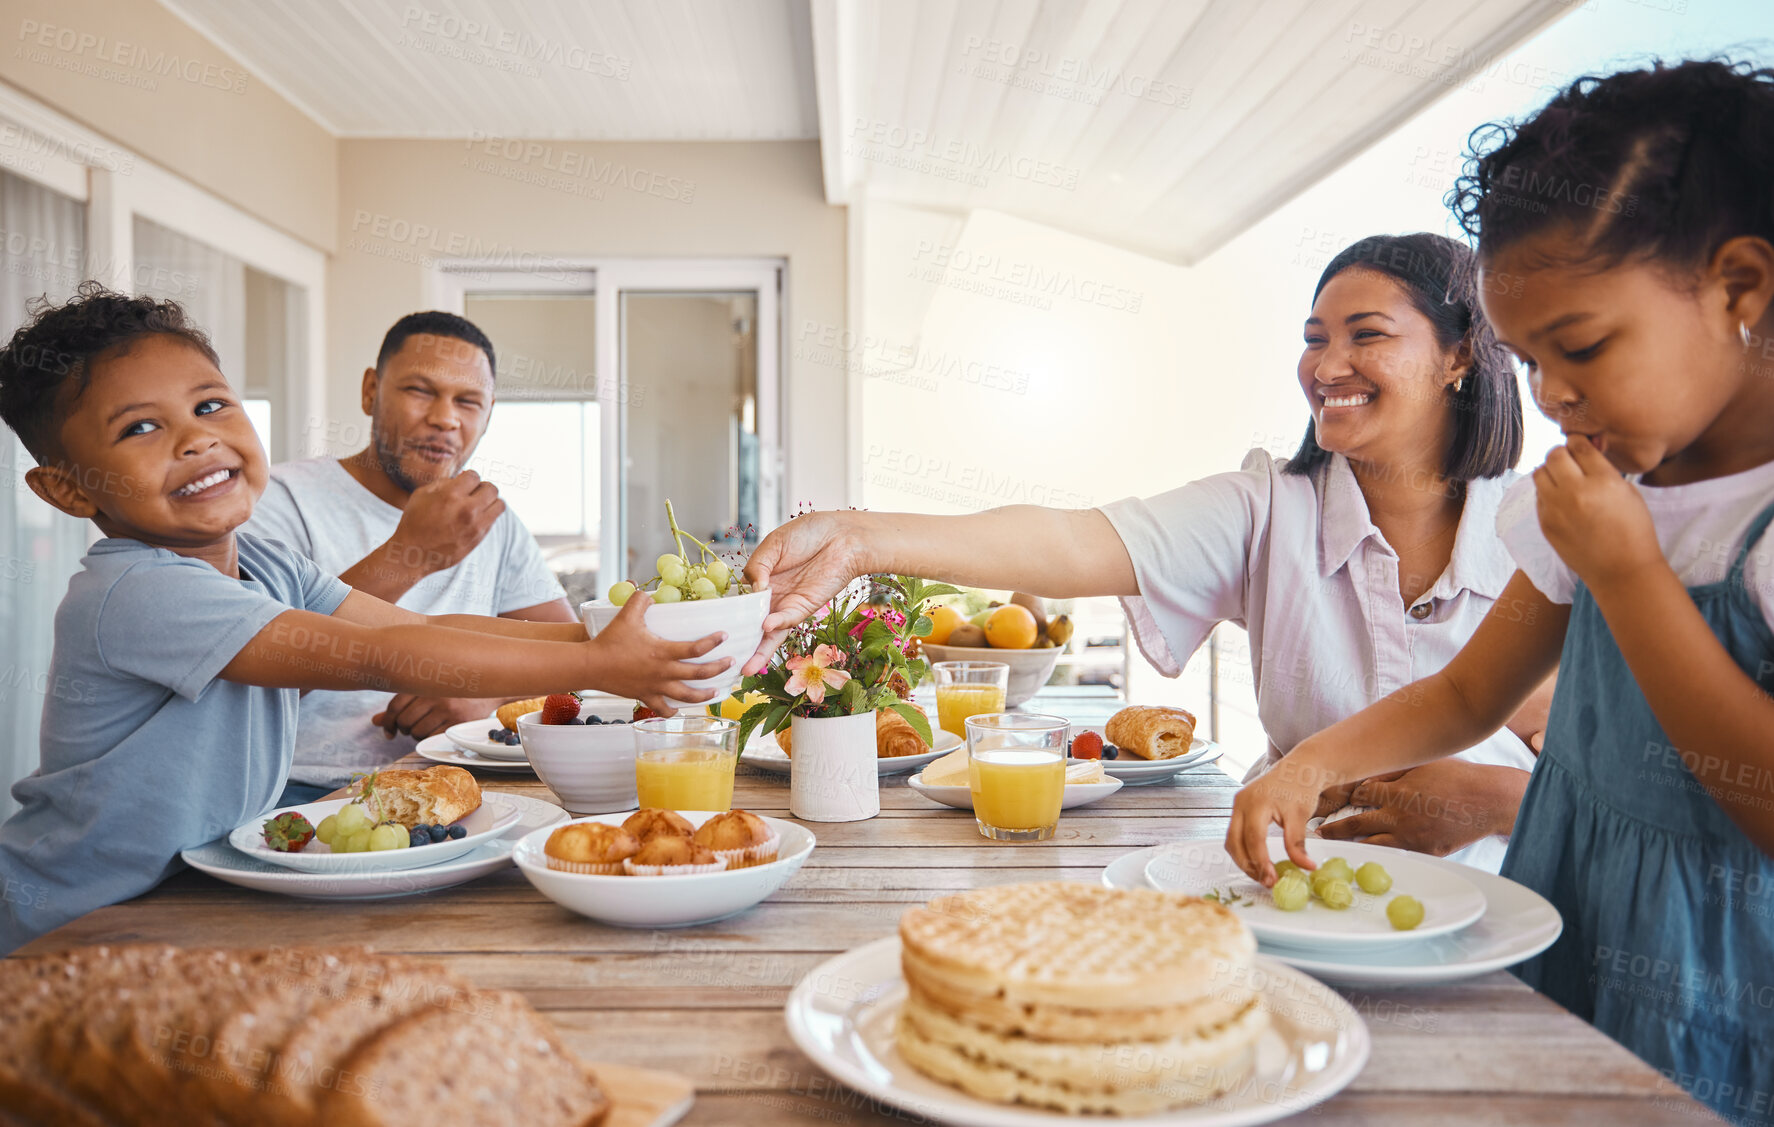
[[643, 1097]]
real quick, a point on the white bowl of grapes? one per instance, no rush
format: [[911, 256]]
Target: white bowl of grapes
[[695, 593]]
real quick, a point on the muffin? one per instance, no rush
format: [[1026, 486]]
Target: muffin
[[741, 837], [665, 855], [651, 822], [592, 848]]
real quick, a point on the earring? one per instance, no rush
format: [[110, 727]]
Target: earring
[[1743, 331], [1458, 384]]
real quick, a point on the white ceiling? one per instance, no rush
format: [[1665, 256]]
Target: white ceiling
[[601, 70], [1165, 126]]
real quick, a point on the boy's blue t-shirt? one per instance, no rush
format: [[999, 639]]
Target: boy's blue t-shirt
[[144, 752]]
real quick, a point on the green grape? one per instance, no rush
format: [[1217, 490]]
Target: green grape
[[1320, 880], [697, 572], [352, 817], [1336, 894], [1373, 878], [720, 574], [620, 593], [668, 593], [324, 831], [1290, 892], [1282, 868], [388, 835], [1404, 912], [1338, 866], [703, 588], [357, 841], [672, 570]]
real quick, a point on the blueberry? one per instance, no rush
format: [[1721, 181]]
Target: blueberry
[[417, 837], [594, 720], [497, 735], [618, 721], [1110, 751], [436, 833], [575, 720], [512, 739], [457, 833]]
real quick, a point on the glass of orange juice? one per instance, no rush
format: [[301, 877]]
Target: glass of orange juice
[[968, 688], [685, 762], [1016, 769]]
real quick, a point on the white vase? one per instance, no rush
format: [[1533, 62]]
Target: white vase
[[832, 777]]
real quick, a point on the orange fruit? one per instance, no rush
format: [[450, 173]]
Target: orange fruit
[[943, 622], [1011, 628]]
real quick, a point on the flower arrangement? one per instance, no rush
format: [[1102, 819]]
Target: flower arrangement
[[855, 656]]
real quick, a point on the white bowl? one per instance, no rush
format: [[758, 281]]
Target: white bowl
[[684, 901], [741, 617], [590, 767], [1029, 669]]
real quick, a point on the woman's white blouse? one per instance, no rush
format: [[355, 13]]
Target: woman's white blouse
[[1297, 562]]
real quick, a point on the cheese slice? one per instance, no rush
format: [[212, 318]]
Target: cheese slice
[[949, 771], [1085, 771]]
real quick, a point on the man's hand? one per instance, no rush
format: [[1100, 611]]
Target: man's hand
[[443, 522], [1593, 518], [421, 717], [1436, 808], [805, 563], [634, 662]]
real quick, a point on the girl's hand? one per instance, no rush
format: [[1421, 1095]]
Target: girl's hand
[[1287, 795], [1593, 518], [805, 563], [635, 662]]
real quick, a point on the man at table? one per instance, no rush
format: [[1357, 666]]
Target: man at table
[[402, 520]]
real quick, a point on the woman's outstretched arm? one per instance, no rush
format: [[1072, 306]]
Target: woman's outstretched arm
[[1052, 553]]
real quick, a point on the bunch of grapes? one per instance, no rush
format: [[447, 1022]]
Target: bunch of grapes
[[679, 579]]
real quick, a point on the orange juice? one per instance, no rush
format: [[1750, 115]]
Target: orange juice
[[955, 703], [1016, 788], [685, 778]]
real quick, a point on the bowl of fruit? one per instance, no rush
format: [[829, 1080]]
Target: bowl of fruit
[[695, 594], [1017, 633], [582, 752]]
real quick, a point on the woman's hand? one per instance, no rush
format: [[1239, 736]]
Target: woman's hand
[[1593, 518], [1435, 809], [1286, 795], [634, 662], [805, 563]]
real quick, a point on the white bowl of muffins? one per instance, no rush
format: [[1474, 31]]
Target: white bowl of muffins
[[663, 868]]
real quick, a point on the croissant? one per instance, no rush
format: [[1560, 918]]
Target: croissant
[[895, 736], [508, 713], [1152, 732]]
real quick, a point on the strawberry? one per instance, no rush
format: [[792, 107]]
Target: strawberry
[[560, 708], [288, 832], [1087, 745], [642, 712]]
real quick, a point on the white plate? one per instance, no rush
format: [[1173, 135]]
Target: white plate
[[668, 901], [1450, 901], [765, 754], [842, 1015], [440, 749], [225, 863], [491, 819], [961, 798], [1518, 924], [1134, 771], [471, 735]]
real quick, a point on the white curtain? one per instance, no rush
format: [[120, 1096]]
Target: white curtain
[[210, 285], [44, 237]]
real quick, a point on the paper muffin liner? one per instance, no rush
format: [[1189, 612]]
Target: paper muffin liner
[[634, 870], [762, 853], [586, 868]]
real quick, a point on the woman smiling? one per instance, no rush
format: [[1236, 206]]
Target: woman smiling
[[1358, 565]]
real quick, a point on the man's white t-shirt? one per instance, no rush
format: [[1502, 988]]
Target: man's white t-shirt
[[321, 511]]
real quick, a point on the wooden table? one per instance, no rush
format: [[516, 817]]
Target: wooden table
[[707, 1001]]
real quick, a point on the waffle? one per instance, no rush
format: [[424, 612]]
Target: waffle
[[1078, 997]]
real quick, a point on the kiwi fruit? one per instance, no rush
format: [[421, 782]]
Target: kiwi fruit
[[967, 634], [1034, 606]]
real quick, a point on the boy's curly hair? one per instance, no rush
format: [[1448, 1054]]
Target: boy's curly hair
[[46, 365], [1662, 164]]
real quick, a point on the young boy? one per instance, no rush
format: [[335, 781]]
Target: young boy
[[190, 641]]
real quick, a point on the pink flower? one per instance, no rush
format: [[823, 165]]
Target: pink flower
[[813, 673], [886, 614]]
